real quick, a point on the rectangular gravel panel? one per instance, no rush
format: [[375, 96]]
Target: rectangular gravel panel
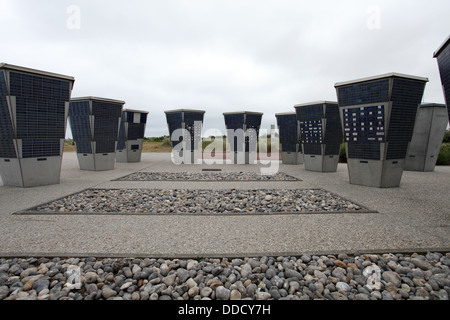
[[205, 176], [183, 201]]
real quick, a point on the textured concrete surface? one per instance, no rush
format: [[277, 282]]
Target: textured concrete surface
[[413, 217]]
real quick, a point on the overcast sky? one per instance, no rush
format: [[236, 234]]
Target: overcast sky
[[225, 55]]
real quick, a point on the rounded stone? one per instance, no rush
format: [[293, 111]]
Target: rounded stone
[[222, 293]]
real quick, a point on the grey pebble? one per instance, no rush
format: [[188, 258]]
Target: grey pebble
[[400, 276], [290, 273], [392, 277], [107, 292], [222, 293], [183, 274], [206, 292], [342, 286], [40, 285]]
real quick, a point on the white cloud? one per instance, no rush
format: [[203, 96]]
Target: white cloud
[[219, 55]]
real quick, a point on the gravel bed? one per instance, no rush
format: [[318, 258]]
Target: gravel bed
[[331, 277], [185, 201], [206, 176]]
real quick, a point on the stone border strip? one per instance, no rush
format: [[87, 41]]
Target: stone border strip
[[137, 255]]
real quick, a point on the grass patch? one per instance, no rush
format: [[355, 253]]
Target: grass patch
[[148, 147], [157, 147], [444, 155]]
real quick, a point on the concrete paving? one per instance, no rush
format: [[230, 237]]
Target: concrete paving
[[412, 218]]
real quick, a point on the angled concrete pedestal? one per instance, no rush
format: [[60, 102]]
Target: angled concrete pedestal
[[294, 157], [30, 172], [375, 173], [96, 161], [321, 163], [426, 142], [129, 154]]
